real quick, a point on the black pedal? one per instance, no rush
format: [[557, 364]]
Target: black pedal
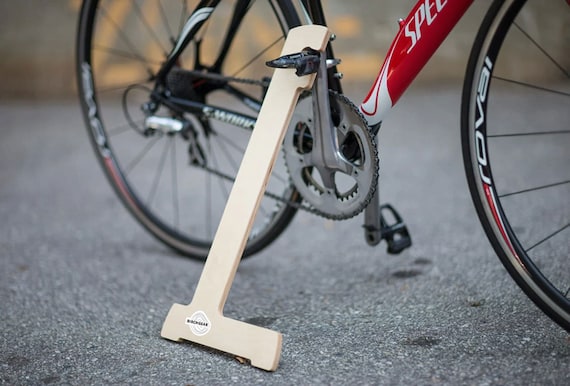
[[305, 62], [395, 233]]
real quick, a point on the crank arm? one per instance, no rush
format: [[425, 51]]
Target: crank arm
[[326, 153], [326, 149], [372, 223], [377, 227]]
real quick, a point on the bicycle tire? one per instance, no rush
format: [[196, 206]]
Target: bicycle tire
[[515, 141], [119, 49]]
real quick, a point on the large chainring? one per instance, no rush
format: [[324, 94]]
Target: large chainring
[[343, 190]]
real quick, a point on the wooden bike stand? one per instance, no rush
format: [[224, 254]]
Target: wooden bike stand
[[202, 321]]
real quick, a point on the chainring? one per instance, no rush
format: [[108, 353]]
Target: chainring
[[344, 190]]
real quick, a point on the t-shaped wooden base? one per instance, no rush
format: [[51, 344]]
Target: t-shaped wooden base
[[202, 321]]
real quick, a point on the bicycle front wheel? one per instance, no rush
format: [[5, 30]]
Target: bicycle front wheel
[[516, 144], [173, 168]]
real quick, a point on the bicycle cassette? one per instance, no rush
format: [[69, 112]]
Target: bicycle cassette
[[344, 187]]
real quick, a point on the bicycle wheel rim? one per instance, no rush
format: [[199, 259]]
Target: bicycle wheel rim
[[493, 196], [265, 230]]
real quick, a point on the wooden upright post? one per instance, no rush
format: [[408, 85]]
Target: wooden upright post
[[202, 321]]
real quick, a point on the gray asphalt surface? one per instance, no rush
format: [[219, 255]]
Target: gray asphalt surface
[[85, 290]]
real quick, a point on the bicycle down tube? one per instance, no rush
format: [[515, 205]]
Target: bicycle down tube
[[421, 33]]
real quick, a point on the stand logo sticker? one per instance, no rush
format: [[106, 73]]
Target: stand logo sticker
[[199, 323]]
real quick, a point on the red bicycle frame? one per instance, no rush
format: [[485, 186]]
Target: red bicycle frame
[[421, 33]]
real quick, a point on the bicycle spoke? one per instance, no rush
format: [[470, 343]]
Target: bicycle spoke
[[216, 165], [117, 130], [224, 138], [227, 155], [534, 189], [241, 149], [209, 205], [257, 56], [535, 43], [527, 134], [231, 160], [149, 29], [548, 237], [174, 176], [125, 54], [135, 161], [524, 84], [158, 173], [124, 38], [119, 87], [126, 43], [166, 23], [522, 148]]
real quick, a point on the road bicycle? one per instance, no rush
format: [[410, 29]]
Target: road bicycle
[[170, 92]]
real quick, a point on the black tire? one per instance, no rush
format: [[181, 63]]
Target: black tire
[[120, 46], [516, 145]]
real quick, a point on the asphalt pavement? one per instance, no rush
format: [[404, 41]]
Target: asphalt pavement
[[85, 290]]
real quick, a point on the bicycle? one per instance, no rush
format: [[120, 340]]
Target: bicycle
[[170, 100]]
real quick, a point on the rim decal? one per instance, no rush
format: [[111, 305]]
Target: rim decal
[[499, 221]]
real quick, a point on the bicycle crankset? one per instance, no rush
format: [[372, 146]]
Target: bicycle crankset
[[343, 189]]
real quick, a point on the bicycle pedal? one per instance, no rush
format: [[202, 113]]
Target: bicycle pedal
[[395, 233], [305, 62]]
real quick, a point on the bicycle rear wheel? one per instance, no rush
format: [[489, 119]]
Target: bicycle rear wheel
[[516, 144], [174, 173]]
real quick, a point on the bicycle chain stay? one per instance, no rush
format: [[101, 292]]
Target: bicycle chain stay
[[213, 76]]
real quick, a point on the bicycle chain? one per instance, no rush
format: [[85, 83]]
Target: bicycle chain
[[296, 205], [219, 77], [304, 207]]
